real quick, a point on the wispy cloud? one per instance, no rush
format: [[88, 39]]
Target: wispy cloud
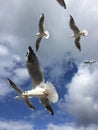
[[15, 125], [71, 126]]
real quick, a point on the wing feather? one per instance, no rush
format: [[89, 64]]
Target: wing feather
[[46, 104], [77, 43], [26, 100], [73, 25], [41, 23], [34, 67], [62, 3], [38, 43]]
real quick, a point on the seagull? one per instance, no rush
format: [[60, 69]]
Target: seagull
[[44, 91], [77, 33], [27, 102], [90, 62], [41, 32], [62, 3]]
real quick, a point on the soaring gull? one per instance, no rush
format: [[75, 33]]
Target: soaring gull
[[45, 92], [90, 62], [41, 32], [62, 3], [27, 102], [77, 33]]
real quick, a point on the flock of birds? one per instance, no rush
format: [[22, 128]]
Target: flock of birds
[[44, 91]]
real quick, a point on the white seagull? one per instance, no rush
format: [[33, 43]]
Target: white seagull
[[90, 62], [27, 102], [62, 3], [45, 92], [77, 33], [41, 32]]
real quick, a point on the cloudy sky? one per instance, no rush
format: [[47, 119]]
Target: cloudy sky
[[61, 63]]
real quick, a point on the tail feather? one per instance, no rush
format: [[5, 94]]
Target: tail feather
[[51, 91], [47, 34]]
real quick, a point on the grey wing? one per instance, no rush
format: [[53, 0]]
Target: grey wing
[[34, 67], [77, 43], [62, 3], [38, 43], [13, 85], [73, 25], [46, 104], [41, 23], [28, 103]]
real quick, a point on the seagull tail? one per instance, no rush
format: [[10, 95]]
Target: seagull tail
[[51, 91], [47, 34], [85, 32]]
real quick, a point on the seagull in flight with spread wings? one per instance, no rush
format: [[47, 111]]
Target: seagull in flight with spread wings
[[62, 3], [27, 102], [77, 33], [41, 32], [45, 92], [90, 62]]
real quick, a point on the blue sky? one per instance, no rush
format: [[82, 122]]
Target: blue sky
[[61, 63]]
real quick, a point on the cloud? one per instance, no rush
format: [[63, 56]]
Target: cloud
[[81, 99], [70, 126], [15, 125]]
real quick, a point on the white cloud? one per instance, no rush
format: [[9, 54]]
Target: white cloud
[[21, 74], [3, 50], [71, 127], [82, 98], [15, 125]]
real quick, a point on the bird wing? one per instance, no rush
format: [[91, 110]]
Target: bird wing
[[46, 104], [27, 102], [73, 25], [34, 67], [77, 43], [38, 43], [13, 85], [41, 23], [86, 62], [62, 3]]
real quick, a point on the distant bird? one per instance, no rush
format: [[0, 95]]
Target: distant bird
[[90, 62], [62, 3], [27, 102], [77, 33], [41, 32], [45, 92]]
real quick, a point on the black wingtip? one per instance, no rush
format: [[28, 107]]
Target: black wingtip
[[30, 48], [8, 80]]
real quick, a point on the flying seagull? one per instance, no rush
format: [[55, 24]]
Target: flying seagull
[[45, 92], [27, 102], [90, 62], [41, 32], [77, 33], [62, 3]]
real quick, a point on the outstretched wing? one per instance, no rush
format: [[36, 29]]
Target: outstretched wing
[[13, 85], [73, 25], [77, 43], [41, 23], [45, 102], [38, 43], [34, 67], [62, 3], [27, 102]]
